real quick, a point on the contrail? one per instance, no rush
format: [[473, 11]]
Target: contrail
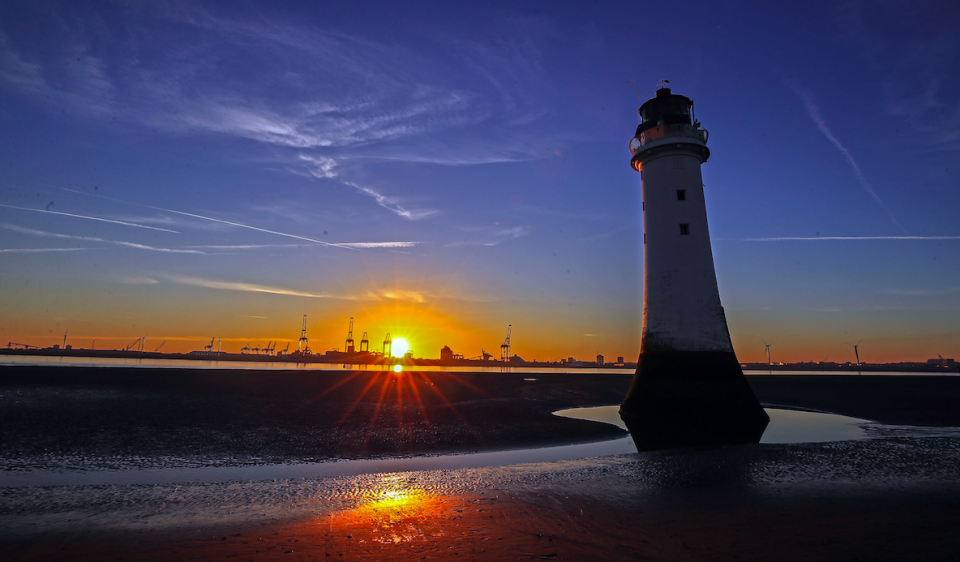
[[38, 250], [364, 245], [813, 110], [90, 218], [196, 216], [46, 234], [811, 238]]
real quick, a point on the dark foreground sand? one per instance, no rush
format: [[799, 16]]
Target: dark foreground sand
[[890, 498]]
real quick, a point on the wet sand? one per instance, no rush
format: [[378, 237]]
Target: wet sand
[[890, 498]]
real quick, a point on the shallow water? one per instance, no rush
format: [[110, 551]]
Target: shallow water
[[786, 426]]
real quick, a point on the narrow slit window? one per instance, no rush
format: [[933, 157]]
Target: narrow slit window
[[684, 229], [681, 195], [644, 237]]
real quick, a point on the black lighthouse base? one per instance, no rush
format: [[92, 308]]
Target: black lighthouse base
[[690, 399]]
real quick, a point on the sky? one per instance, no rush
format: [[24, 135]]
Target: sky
[[439, 171]]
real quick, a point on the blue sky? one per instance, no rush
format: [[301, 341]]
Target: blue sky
[[440, 171]]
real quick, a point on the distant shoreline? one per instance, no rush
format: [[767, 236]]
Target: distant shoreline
[[358, 359]]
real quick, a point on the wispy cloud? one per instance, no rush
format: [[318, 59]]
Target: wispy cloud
[[813, 111], [828, 238], [372, 294], [324, 168], [320, 97], [491, 236], [245, 287], [920, 292], [394, 204], [38, 250], [366, 245], [45, 234], [99, 219]]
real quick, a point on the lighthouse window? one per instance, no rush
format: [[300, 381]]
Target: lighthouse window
[[681, 195], [684, 229]]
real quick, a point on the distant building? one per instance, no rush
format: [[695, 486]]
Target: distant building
[[619, 359], [949, 363], [447, 354], [599, 360]]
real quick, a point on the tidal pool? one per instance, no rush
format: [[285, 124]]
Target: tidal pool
[[786, 426]]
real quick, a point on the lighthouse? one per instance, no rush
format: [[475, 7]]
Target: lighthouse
[[689, 388]]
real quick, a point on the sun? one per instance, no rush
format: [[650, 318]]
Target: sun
[[400, 347]]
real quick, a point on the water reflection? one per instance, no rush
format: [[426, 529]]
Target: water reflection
[[391, 509], [786, 426]]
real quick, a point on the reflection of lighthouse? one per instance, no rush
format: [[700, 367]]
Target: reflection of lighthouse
[[689, 388]]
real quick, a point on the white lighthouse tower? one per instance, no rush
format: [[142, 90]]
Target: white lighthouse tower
[[689, 388]]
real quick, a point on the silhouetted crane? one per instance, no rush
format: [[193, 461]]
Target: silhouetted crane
[[302, 346], [364, 343], [209, 346], [388, 344], [157, 350], [505, 346], [348, 347]]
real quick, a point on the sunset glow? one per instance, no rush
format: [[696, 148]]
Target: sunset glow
[[369, 172]]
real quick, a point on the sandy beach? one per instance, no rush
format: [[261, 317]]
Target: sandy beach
[[890, 497]]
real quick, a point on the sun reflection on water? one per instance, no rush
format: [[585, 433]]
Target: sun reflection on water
[[393, 509]]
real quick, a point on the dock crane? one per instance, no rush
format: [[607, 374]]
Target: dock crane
[[302, 346], [209, 346], [129, 346], [388, 345], [285, 350], [348, 347], [505, 346], [486, 356], [157, 350], [364, 343]]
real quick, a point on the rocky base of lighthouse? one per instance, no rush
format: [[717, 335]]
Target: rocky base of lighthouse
[[690, 399]]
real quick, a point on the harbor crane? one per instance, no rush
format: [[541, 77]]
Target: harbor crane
[[364, 343], [505, 346], [388, 346], [131, 345], [348, 347], [157, 350], [209, 346], [302, 346]]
